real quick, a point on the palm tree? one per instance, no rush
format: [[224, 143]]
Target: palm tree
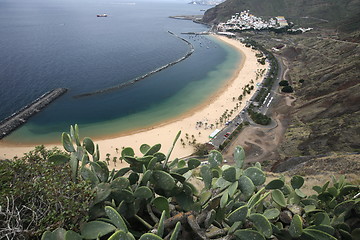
[[117, 150], [114, 160]]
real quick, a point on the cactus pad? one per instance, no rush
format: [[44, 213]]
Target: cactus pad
[[262, 224], [238, 215], [89, 145], [278, 197], [275, 184], [246, 186], [229, 174], [215, 158], [143, 192], [66, 141], [150, 236], [116, 219], [193, 163], [256, 175], [297, 182], [247, 234], [163, 180], [95, 229], [239, 157], [271, 213]]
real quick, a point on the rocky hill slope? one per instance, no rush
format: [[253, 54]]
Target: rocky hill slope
[[324, 70], [343, 14], [327, 110]]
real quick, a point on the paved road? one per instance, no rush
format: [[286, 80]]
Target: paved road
[[280, 76]]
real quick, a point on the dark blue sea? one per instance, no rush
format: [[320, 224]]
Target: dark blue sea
[[47, 44]]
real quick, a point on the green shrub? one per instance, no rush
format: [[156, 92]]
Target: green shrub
[[259, 118], [36, 195], [287, 89], [284, 83], [201, 149]]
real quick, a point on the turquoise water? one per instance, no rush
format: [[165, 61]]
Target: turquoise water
[[195, 93], [64, 45]]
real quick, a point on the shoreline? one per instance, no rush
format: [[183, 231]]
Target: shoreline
[[137, 79], [165, 132]]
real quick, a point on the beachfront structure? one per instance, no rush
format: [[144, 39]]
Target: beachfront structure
[[246, 21], [214, 133], [229, 34], [282, 21]]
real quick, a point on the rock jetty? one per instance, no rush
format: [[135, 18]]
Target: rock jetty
[[133, 81], [20, 117]]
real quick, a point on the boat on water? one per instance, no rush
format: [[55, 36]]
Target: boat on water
[[102, 15]]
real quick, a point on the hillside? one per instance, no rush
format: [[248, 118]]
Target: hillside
[[324, 118], [326, 113], [343, 14]]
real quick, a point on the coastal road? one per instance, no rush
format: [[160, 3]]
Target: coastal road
[[243, 115], [282, 70]]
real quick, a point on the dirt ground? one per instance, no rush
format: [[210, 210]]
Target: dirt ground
[[261, 142]]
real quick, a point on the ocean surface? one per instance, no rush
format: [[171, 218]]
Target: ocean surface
[[47, 44]]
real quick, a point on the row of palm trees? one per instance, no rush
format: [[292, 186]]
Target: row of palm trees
[[190, 141], [113, 159]]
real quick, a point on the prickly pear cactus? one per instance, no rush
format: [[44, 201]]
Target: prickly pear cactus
[[153, 198]]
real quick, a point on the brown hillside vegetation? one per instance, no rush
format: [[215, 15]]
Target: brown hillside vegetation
[[327, 105], [340, 14], [320, 119]]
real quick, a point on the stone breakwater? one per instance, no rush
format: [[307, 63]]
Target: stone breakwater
[[133, 81], [20, 117]]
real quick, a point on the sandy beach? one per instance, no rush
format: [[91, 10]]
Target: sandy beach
[[197, 124]]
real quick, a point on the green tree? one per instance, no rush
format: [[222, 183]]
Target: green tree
[[287, 89], [284, 83]]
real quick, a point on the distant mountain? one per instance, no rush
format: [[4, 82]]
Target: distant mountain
[[207, 2], [305, 12]]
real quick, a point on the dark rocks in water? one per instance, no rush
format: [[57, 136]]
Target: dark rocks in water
[[20, 117]]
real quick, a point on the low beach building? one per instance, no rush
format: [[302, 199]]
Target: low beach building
[[282, 21], [214, 133]]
